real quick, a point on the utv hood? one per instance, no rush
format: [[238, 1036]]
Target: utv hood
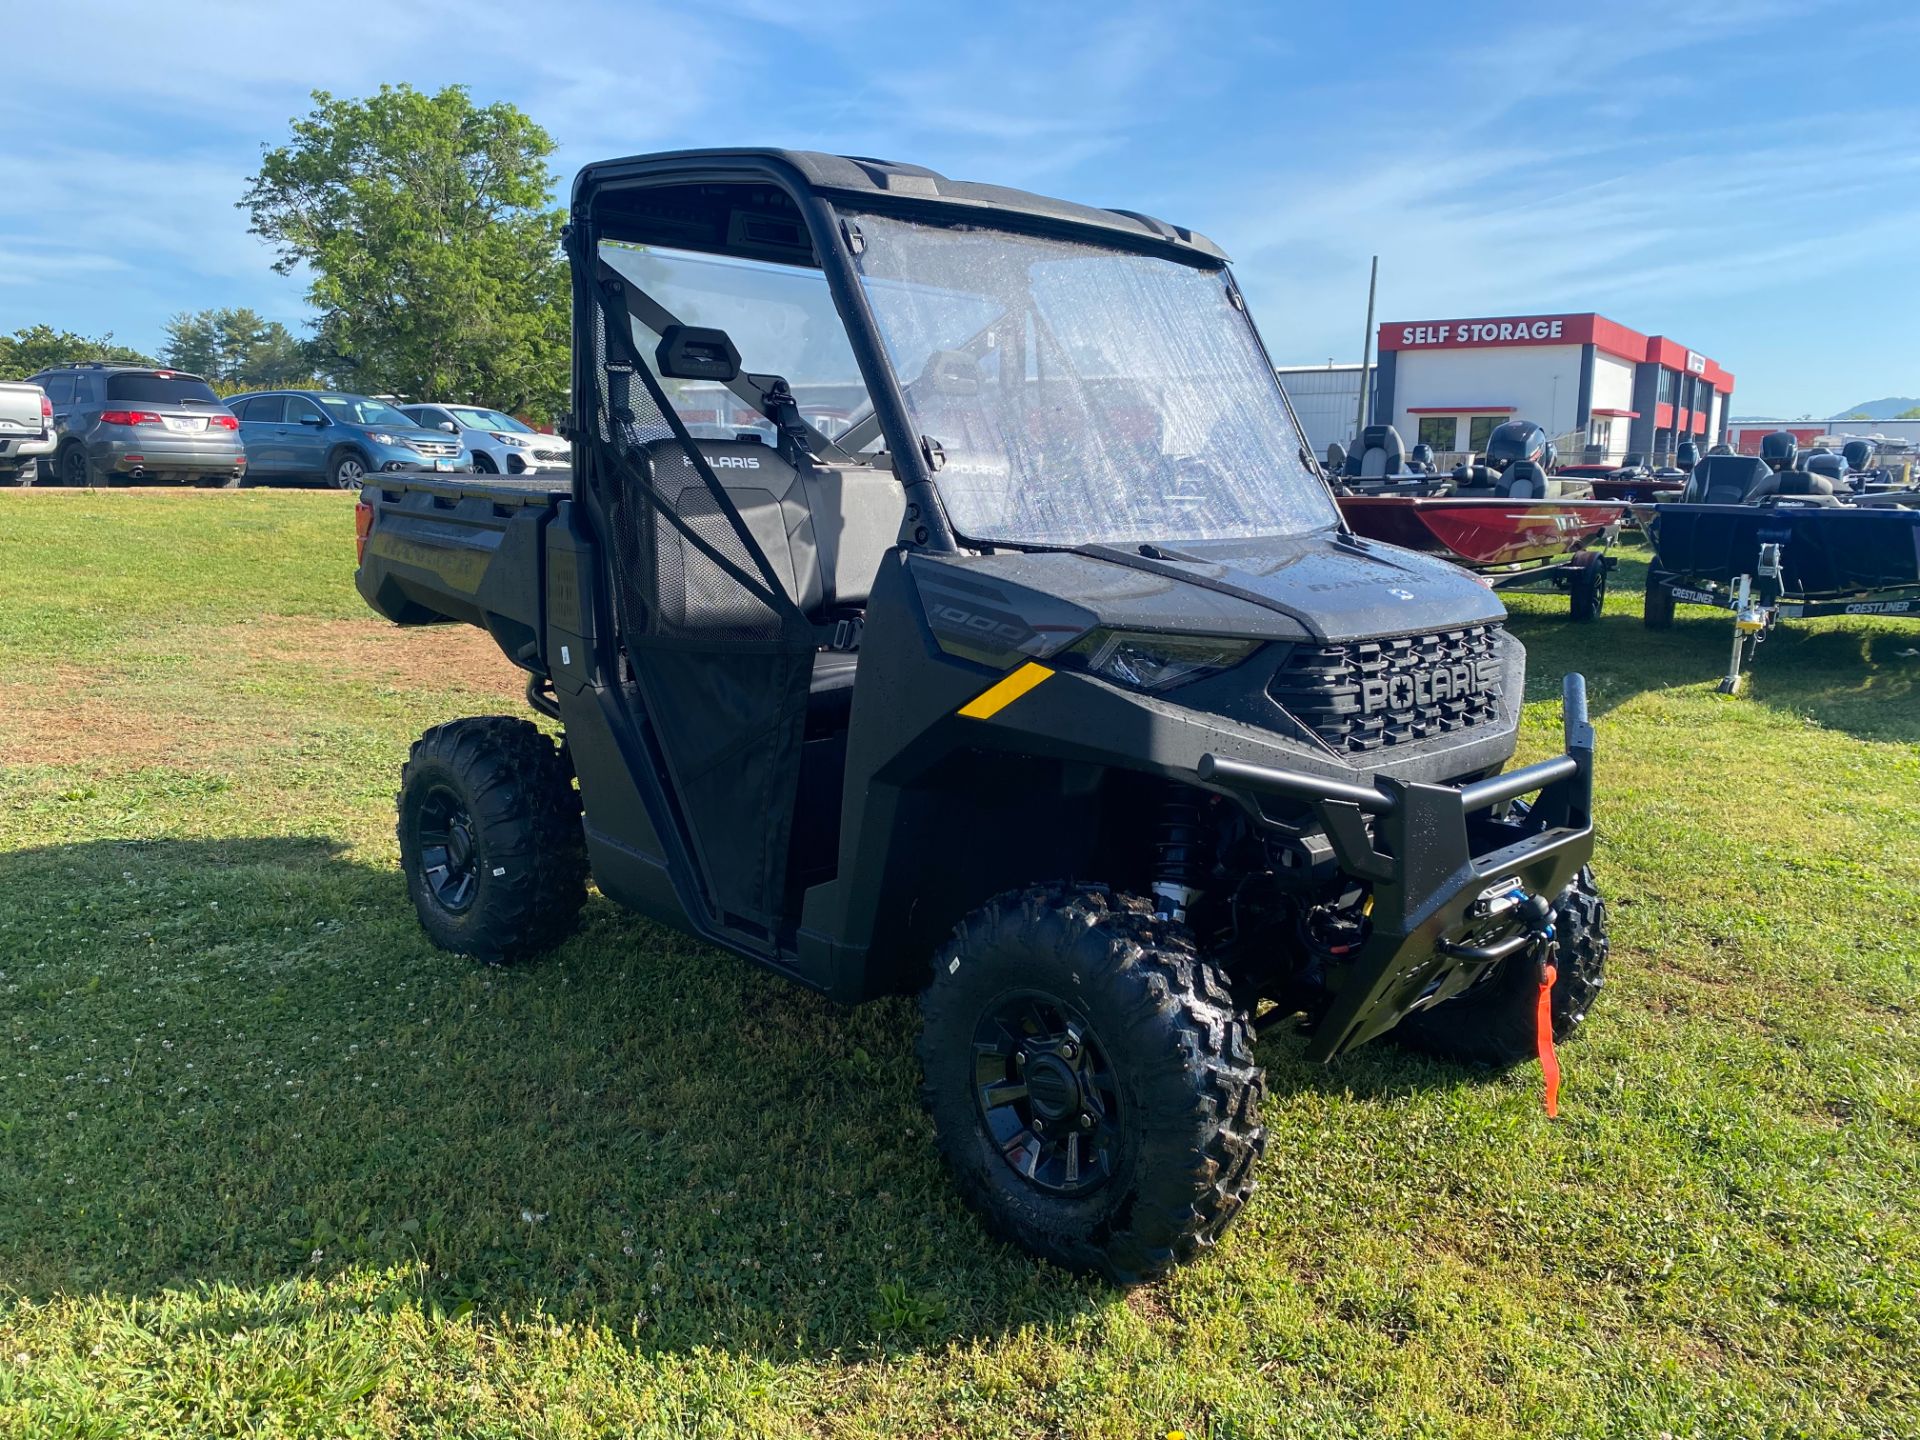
[[1327, 586]]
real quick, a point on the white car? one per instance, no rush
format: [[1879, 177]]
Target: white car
[[500, 444], [26, 432]]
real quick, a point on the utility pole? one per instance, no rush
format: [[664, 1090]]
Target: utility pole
[[1366, 354]]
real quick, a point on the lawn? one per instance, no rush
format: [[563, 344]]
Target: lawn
[[271, 1165]]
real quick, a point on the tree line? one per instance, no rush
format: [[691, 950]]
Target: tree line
[[426, 228]]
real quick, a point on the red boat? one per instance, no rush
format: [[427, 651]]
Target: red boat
[[1508, 543]]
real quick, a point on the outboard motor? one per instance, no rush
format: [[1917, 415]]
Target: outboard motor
[[1336, 456], [1516, 440], [1686, 457], [1859, 454], [1551, 459], [1420, 459], [1721, 449], [1781, 451]]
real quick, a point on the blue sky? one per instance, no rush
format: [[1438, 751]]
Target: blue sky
[[1743, 177]]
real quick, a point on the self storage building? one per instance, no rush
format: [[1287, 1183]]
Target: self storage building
[[1582, 378]]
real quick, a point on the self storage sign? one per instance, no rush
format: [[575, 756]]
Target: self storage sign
[[1514, 330]]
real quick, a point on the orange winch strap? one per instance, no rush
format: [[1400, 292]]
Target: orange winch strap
[[1543, 1038]]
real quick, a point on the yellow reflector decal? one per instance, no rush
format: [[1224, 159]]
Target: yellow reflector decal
[[991, 701]]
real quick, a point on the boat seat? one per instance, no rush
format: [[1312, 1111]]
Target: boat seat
[[1726, 479], [1523, 480], [1829, 466], [1802, 486], [1377, 454]]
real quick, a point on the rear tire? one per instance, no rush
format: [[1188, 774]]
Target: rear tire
[[1135, 1143], [490, 838], [1658, 612], [1494, 1022], [1587, 591]]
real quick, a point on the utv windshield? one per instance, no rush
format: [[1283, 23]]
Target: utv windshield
[[1080, 394]]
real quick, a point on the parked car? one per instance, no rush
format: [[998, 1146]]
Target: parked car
[[26, 432], [501, 445], [117, 424], [338, 439]]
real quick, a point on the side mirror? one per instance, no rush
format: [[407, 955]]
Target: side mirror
[[317, 421], [450, 427], [697, 352]]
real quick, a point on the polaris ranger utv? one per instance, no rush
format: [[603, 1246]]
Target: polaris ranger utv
[[944, 600]]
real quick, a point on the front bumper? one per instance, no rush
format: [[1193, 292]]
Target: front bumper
[[1430, 853], [398, 459], [514, 461]]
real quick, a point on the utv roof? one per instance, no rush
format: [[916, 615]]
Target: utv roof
[[888, 183]]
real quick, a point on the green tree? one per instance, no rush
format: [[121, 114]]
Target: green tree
[[236, 349], [34, 347], [428, 225], [1912, 414]]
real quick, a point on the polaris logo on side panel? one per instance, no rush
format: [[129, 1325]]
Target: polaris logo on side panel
[[726, 462], [1417, 689]]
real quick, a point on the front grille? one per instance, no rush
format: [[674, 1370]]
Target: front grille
[[436, 447], [1369, 694], [550, 455]]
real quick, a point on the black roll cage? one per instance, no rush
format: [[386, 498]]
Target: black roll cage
[[835, 238]]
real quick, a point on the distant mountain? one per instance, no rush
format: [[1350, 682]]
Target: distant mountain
[[1881, 409]]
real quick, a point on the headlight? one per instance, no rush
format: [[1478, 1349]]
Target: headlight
[[1158, 662], [380, 437], [505, 437]]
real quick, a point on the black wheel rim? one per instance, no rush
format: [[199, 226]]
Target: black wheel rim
[[449, 851], [76, 467], [1047, 1094]]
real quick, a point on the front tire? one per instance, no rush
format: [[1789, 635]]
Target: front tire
[[1494, 1022], [1091, 1081], [490, 838], [76, 471], [483, 464], [346, 470]]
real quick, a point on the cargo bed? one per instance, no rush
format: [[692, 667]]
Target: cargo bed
[[460, 547]]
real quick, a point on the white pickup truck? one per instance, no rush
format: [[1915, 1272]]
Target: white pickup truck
[[26, 432]]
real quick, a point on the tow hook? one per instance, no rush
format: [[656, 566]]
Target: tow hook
[[1535, 914]]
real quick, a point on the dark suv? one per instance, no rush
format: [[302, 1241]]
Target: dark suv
[[122, 424]]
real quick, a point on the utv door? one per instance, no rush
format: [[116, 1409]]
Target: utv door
[[718, 655]]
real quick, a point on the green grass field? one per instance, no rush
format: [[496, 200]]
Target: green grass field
[[271, 1165]]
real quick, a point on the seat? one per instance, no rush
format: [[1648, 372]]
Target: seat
[[1377, 455], [824, 529], [1522, 480], [693, 592], [1726, 479], [1800, 486], [857, 512], [830, 692], [1827, 465]]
